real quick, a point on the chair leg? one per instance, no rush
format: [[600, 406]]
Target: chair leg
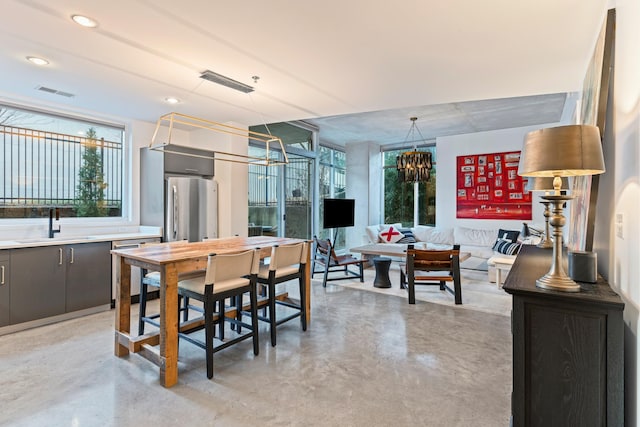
[[209, 330], [272, 312], [221, 310], [457, 288], [143, 308], [403, 279], [361, 272], [326, 274], [303, 305], [185, 308], [253, 298], [237, 303], [412, 289]]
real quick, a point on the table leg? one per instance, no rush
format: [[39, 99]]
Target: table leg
[[123, 305], [168, 325]]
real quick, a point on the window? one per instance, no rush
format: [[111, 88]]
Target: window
[[332, 180], [399, 197], [53, 161]]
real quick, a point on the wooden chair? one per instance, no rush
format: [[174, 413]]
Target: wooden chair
[[432, 267], [326, 255], [227, 276], [288, 262]]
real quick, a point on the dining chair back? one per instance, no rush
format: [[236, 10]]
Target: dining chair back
[[226, 276], [287, 262]]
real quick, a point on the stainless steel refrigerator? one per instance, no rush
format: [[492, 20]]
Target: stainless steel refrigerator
[[191, 210], [178, 193]]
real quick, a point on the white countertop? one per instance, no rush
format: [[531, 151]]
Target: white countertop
[[26, 243]]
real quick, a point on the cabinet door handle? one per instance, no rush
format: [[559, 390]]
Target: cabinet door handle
[[71, 260], [1, 274], [60, 256]]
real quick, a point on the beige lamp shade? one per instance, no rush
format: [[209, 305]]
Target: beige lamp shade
[[562, 151], [544, 183]]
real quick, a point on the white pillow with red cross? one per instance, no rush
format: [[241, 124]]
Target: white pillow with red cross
[[390, 235]]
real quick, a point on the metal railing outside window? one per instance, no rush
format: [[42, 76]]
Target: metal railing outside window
[[41, 169]]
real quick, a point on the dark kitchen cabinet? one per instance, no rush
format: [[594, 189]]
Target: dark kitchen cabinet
[[48, 281], [88, 275], [5, 275], [37, 283], [568, 350]]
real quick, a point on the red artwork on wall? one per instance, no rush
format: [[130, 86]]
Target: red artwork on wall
[[489, 187]]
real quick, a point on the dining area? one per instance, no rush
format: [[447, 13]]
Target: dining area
[[222, 281]]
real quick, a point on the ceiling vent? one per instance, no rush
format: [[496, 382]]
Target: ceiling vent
[[226, 81], [55, 91]]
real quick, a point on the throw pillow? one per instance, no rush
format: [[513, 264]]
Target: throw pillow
[[506, 247], [390, 235], [511, 235], [408, 236]]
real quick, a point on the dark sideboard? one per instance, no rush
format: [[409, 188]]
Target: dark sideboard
[[568, 349]]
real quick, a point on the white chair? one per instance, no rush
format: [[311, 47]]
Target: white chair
[[227, 276], [287, 262]]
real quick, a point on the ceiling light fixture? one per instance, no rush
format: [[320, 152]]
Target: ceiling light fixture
[[36, 60], [85, 21], [171, 100], [227, 81], [414, 166], [272, 157]]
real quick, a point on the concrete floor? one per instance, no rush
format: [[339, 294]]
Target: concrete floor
[[366, 360]]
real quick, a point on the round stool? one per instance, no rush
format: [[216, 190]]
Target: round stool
[[382, 265]]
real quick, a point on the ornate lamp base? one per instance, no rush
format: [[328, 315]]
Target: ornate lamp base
[[556, 279], [546, 243], [557, 283]]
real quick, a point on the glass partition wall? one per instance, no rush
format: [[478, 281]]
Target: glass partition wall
[[281, 197]]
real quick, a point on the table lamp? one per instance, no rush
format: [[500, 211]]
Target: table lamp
[[545, 184], [555, 153]]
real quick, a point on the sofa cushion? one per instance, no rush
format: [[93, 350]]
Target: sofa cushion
[[425, 233], [474, 236], [390, 234], [511, 235], [408, 236], [506, 247], [374, 230]]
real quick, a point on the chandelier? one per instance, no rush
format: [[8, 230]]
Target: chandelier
[[414, 166]]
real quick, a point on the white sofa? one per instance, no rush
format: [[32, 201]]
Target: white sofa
[[478, 242]]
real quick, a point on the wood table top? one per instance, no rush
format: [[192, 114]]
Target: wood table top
[[164, 254]]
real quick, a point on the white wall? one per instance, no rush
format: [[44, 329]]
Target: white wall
[[364, 184], [624, 259], [232, 178], [449, 148]]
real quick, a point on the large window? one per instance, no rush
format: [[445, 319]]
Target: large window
[[400, 200], [280, 197], [332, 181], [53, 161]]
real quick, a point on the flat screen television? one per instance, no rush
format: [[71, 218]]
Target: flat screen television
[[338, 213]]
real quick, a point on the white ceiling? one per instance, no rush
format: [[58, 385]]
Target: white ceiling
[[316, 61]]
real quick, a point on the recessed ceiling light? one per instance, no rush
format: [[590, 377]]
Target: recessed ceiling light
[[37, 61], [85, 21], [171, 100]]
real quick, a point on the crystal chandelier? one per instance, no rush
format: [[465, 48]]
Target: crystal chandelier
[[414, 166]]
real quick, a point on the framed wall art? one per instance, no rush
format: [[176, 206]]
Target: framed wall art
[[489, 187]]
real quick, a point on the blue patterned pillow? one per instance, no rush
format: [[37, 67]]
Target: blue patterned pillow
[[506, 247], [408, 236]]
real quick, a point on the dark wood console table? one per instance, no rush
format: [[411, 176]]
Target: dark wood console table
[[568, 349]]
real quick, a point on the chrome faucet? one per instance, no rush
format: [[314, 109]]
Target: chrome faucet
[[51, 230]]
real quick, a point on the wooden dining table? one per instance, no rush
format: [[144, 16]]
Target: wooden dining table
[[161, 346]]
